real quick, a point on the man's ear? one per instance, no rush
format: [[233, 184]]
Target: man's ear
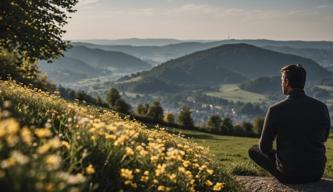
[[286, 81]]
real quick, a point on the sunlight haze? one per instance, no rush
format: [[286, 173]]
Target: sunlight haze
[[202, 19]]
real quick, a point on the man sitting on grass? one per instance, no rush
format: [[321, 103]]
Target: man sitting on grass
[[301, 125]]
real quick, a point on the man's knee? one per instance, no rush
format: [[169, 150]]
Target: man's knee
[[253, 150]]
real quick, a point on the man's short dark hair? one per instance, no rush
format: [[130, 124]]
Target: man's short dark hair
[[295, 74]]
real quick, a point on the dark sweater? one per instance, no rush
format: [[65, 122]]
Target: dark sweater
[[301, 125]]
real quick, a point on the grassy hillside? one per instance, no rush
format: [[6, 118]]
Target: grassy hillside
[[232, 152], [232, 92], [49, 144]]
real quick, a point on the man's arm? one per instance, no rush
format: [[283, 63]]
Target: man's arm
[[327, 123], [268, 133]]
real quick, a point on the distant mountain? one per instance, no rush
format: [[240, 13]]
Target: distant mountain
[[154, 54], [81, 62], [322, 56], [68, 69], [159, 54], [232, 63], [133, 41], [109, 60]]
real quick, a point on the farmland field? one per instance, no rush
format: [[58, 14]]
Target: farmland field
[[233, 93]]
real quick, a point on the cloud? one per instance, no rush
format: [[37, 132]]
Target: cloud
[[193, 9], [87, 3], [324, 6]]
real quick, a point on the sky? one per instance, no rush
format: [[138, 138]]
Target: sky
[[202, 19]]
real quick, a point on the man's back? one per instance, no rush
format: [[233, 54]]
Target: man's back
[[301, 125]]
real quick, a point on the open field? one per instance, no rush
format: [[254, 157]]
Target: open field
[[232, 92], [232, 152]]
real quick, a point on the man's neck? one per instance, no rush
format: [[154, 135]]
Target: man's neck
[[295, 91]]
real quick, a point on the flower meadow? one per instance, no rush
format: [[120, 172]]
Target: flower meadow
[[50, 144]]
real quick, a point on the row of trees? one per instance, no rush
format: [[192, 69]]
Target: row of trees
[[218, 125], [154, 113]]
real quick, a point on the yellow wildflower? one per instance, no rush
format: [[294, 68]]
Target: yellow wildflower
[[161, 188], [210, 171], [186, 163], [12, 140], [8, 126], [43, 149], [154, 158], [19, 157], [131, 183], [129, 151], [218, 186], [172, 178], [66, 144], [181, 169], [54, 143], [208, 183], [52, 161], [43, 132], [144, 178], [90, 169], [160, 169], [26, 136], [126, 173], [7, 163]]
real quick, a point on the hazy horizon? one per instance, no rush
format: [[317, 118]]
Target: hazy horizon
[[190, 40], [202, 20]]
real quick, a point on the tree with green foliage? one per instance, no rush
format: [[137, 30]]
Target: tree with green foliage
[[99, 101], [121, 106], [227, 126], [34, 29], [142, 109], [238, 130], [31, 31], [184, 118], [155, 111], [247, 127], [214, 123], [112, 96], [258, 124], [169, 118], [115, 101]]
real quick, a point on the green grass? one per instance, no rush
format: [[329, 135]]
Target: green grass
[[135, 79], [232, 152], [232, 92]]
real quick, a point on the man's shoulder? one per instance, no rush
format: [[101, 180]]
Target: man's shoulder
[[315, 101], [309, 100], [279, 104]]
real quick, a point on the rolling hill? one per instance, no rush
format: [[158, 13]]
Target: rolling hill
[[232, 63], [111, 60], [161, 53], [81, 62], [68, 69], [133, 41]]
